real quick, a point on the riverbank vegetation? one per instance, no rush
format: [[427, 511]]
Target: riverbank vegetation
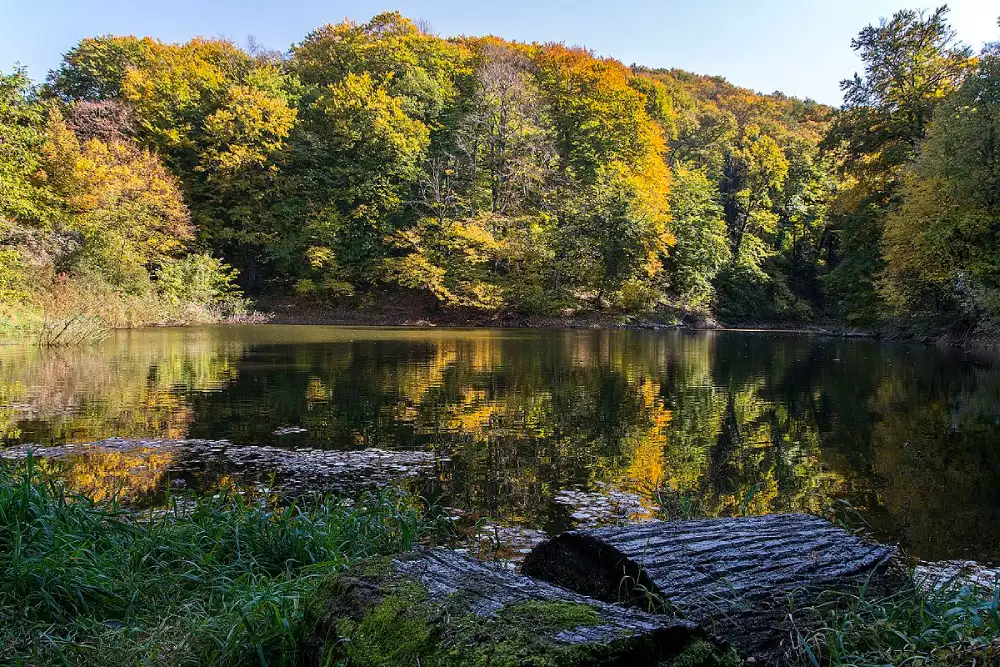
[[378, 160], [952, 624], [226, 580], [209, 581]]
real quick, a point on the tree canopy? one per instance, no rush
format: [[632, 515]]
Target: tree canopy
[[378, 158]]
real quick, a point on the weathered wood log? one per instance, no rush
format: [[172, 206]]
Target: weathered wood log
[[440, 608], [746, 579]]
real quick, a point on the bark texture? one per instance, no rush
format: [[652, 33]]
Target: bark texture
[[743, 579], [437, 607]]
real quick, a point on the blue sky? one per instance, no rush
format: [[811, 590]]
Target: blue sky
[[801, 47]]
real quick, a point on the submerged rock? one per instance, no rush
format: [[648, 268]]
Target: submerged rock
[[290, 430], [930, 576], [292, 470], [608, 506]]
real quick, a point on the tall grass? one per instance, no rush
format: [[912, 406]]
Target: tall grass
[[216, 581], [950, 624]]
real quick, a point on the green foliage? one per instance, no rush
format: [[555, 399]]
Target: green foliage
[[217, 582], [949, 212], [702, 246], [953, 624], [762, 170], [200, 279], [495, 175], [21, 118], [912, 62], [96, 67]]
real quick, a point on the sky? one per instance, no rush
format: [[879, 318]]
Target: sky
[[800, 47]]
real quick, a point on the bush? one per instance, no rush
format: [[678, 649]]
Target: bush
[[202, 281], [637, 296], [14, 281]]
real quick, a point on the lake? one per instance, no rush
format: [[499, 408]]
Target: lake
[[547, 429]]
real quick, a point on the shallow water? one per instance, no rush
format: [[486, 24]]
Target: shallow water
[[546, 429]]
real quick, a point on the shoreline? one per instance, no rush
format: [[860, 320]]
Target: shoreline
[[419, 314]]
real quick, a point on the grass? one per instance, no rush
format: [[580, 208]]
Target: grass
[[214, 581], [952, 624]]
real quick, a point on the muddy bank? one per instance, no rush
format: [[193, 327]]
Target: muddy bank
[[418, 311], [403, 313]]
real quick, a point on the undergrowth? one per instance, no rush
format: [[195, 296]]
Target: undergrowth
[[949, 623], [211, 581]]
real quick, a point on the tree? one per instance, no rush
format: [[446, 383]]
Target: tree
[[21, 128], [394, 52], [755, 174], [95, 69], [702, 247], [504, 137], [612, 180], [366, 154], [942, 244], [912, 62], [127, 208]]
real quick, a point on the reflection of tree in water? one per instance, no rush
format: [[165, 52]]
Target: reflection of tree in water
[[940, 459], [133, 385], [743, 423], [136, 476]]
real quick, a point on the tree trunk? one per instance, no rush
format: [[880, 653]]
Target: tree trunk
[[743, 579], [438, 607]]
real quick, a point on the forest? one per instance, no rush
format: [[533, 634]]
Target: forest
[[374, 162]]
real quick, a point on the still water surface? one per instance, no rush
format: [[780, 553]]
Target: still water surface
[[731, 422]]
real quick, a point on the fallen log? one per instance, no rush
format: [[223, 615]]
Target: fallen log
[[439, 608], [750, 580]]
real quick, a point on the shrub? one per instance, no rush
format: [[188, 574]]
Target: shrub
[[201, 280]]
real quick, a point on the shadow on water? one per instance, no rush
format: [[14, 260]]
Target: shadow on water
[[743, 422]]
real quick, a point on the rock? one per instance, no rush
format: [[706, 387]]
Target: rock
[[738, 578], [437, 608]]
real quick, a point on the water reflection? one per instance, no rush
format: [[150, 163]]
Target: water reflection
[[739, 422]]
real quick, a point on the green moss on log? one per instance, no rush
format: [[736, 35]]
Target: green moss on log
[[700, 653], [374, 617]]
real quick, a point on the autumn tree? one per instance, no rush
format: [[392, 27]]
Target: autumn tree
[[376, 156], [912, 61], [126, 207], [504, 138], [942, 243], [611, 153]]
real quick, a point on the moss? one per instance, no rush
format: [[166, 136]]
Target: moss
[[394, 632], [379, 566], [552, 616], [392, 620], [701, 653], [406, 629]]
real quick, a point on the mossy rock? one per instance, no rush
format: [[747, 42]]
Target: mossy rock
[[436, 608]]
